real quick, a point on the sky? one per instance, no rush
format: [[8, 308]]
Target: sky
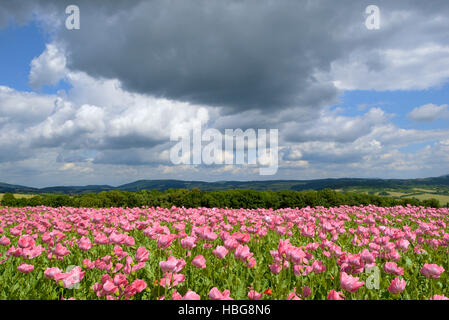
[[98, 104]]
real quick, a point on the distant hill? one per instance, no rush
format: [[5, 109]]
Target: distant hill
[[5, 187], [284, 184], [372, 183], [298, 185], [77, 189], [162, 185]]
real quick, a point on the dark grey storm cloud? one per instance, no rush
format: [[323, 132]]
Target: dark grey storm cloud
[[19, 11], [239, 54], [242, 55]]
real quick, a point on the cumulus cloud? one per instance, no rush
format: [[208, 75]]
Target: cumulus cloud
[[22, 108], [233, 64], [48, 68], [429, 112], [419, 68], [334, 127], [119, 120]]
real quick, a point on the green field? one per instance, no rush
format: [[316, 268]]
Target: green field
[[18, 195], [439, 193], [442, 198]]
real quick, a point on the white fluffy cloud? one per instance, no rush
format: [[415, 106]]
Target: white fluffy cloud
[[331, 126], [48, 68], [98, 127], [423, 67], [429, 112], [95, 114], [22, 108]]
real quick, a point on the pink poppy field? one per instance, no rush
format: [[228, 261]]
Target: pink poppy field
[[351, 253]]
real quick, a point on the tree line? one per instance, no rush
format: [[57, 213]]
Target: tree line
[[247, 199]]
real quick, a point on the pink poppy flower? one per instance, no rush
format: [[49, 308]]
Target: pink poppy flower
[[231, 244], [101, 239], [142, 254], [138, 266], [32, 252], [73, 277], [335, 295], [392, 268], [117, 238], [318, 267], [252, 263], [367, 257], [139, 285], [295, 255], [350, 283], [403, 244], [242, 237], [172, 265], [215, 294], [438, 297], [306, 291], [15, 232], [4, 241], [397, 285], [432, 271], [88, 264], [50, 273], [171, 280], [117, 267], [109, 287], [302, 270], [165, 241], [118, 251], [61, 250], [85, 244], [191, 295], [25, 268], [188, 243], [199, 262], [242, 253], [25, 242], [293, 296], [120, 280], [254, 295], [129, 241], [275, 268], [176, 295], [220, 252]]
